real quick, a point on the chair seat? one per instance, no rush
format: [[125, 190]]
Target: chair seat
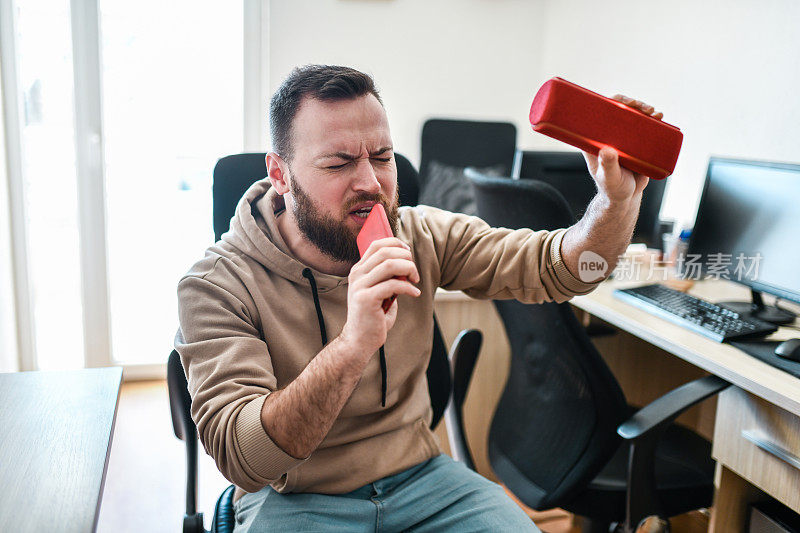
[[684, 478], [224, 518]]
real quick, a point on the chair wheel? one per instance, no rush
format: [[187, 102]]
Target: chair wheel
[[653, 524]]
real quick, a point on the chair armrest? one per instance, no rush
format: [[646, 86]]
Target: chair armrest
[[463, 355], [180, 409], [643, 431], [662, 411]]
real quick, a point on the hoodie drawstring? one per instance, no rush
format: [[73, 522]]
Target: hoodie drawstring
[[383, 376], [320, 319], [324, 334]]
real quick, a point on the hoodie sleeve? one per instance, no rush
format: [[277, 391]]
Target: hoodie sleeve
[[500, 263], [230, 374]]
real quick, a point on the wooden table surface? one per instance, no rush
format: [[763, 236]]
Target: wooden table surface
[[724, 360], [55, 437]]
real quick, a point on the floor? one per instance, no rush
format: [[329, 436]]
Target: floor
[[145, 482]]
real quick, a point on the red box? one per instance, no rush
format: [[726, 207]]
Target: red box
[[589, 121]]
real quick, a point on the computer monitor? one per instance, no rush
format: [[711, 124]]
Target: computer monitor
[[749, 216], [567, 172]]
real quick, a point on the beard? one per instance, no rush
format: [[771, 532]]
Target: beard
[[332, 236]]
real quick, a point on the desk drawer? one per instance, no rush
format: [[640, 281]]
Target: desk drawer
[[760, 442]]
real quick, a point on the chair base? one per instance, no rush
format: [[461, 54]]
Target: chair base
[[193, 523]]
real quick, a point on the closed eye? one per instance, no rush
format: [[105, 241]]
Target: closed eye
[[336, 167]]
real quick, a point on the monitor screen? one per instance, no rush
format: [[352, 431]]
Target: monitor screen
[[747, 225]]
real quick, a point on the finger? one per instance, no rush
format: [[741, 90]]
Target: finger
[[383, 243], [373, 297], [647, 109], [608, 165], [382, 253], [641, 183], [608, 158], [391, 287], [365, 266], [389, 269], [591, 163]]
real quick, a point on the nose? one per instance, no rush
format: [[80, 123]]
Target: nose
[[365, 178]]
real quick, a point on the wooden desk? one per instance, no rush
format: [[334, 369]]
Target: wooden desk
[[54, 445], [643, 357]]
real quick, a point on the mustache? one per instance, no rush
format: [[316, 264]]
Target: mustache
[[367, 197]]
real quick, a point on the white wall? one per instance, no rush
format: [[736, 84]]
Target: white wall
[[448, 58], [725, 72]]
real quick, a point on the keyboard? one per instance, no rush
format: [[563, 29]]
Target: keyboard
[[698, 315]]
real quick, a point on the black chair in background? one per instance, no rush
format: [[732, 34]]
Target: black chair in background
[[408, 181], [567, 172], [449, 375], [563, 434], [233, 175], [467, 143]]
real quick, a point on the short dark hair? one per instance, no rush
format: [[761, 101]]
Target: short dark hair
[[322, 82]]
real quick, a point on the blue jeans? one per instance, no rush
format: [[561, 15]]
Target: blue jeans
[[437, 495]]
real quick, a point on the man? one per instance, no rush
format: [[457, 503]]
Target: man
[[283, 335]]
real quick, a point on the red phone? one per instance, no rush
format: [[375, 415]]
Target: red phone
[[376, 227]]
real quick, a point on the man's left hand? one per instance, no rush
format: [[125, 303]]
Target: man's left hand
[[618, 184]]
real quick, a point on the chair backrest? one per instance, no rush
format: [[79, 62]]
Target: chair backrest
[[556, 373], [647, 225], [233, 175], [467, 143], [567, 172], [407, 181], [180, 403]]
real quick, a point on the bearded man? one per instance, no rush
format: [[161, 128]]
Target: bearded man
[[282, 324]]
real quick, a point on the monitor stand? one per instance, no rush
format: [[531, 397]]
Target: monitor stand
[[757, 309]]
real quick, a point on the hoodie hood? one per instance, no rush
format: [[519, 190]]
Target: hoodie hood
[[254, 231]]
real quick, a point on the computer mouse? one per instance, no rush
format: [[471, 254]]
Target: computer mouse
[[789, 349]]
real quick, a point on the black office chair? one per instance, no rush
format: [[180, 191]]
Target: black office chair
[[567, 173], [563, 434], [448, 375], [467, 143]]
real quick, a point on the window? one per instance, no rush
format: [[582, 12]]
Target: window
[[47, 138], [174, 97], [172, 87]]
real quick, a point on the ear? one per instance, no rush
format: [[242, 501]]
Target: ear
[[276, 170]]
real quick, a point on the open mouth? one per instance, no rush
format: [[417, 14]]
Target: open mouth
[[362, 211]]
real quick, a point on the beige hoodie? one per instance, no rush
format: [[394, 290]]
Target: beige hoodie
[[249, 326]]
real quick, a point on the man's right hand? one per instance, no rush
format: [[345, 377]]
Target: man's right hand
[[371, 281], [298, 417]]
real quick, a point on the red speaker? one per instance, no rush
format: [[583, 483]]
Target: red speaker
[[589, 121]]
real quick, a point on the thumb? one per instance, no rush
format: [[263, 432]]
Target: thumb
[[608, 158]]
